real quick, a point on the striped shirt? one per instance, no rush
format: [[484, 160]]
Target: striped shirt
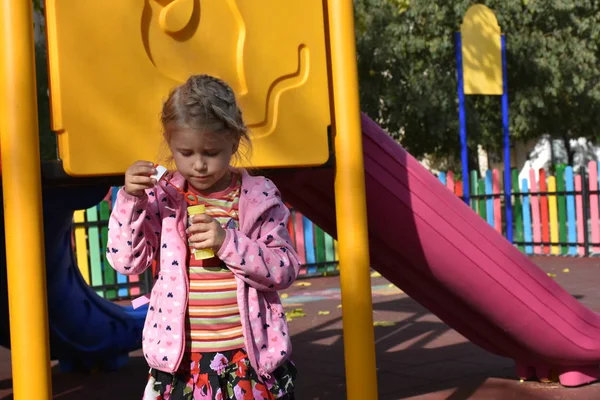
[[213, 314]]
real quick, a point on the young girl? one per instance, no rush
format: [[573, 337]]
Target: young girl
[[215, 327]]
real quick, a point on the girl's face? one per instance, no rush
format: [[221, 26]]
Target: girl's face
[[203, 158]]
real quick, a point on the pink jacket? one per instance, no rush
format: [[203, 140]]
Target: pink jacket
[[260, 255]]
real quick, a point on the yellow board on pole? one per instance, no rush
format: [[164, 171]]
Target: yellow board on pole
[[481, 51], [113, 62]]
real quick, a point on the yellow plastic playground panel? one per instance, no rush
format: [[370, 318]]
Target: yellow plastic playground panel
[[113, 62], [481, 51]]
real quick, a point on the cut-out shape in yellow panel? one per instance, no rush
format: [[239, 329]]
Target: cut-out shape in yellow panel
[[481, 51], [113, 62]]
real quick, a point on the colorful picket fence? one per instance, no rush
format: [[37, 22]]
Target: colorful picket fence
[[317, 250], [90, 238], [553, 214]]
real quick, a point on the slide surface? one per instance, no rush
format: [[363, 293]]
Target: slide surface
[[86, 331], [435, 248]]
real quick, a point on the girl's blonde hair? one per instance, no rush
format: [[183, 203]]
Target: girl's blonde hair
[[206, 104]]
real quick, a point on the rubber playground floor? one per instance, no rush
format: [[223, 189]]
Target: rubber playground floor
[[418, 356]]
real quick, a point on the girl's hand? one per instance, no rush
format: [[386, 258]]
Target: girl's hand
[[138, 178], [206, 233]]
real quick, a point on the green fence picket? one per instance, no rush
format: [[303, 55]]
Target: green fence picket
[[474, 190], [320, 248], [110, 276], [517, 209], [481, 200]]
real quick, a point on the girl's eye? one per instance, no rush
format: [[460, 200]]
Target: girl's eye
[[212, 153], [186, 153]]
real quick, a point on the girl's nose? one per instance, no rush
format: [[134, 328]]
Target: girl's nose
[[199, 164]]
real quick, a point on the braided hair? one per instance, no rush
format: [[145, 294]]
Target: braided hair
[[206, 104]]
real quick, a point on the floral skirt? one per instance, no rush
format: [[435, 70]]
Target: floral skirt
[[220, 376]]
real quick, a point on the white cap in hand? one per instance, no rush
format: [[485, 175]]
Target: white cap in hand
[[160, 172]]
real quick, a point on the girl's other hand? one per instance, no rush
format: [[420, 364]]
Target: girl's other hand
[[206, 233], [138, 178]]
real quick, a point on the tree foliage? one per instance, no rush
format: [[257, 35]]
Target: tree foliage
[[407, 70], [48, 150]]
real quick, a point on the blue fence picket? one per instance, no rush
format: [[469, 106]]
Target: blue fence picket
[[442, 178], [309, 243], [489, 201]]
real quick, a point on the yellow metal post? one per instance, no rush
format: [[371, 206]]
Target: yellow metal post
[[351, 210], [21, 182]]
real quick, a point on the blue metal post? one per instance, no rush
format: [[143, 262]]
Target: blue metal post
[[505, 126], [462, 120]]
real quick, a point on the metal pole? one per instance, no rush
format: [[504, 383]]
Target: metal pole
[[357, 310], [462, 120], [21, 183], [505, 129]]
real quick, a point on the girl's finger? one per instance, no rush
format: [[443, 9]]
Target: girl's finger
[[199, 238], [144, 162], [137, 186], [205, 244], [146, 181], [202, 218], [143, 169], [199, 228]]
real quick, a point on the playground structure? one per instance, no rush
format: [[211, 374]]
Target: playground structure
[[421, 236], [316, 64]]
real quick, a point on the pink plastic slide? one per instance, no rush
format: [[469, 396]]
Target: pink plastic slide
[[435, 248]]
